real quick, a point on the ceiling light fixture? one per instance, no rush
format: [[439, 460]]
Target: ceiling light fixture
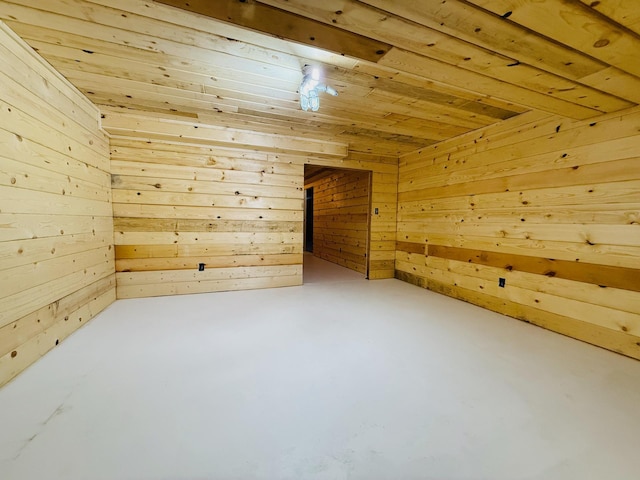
[[310, 87]]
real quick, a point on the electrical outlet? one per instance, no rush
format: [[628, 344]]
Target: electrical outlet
[[501, 282], [201, 267]]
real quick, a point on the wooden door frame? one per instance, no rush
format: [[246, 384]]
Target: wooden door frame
[[369, 211], [369, 216]]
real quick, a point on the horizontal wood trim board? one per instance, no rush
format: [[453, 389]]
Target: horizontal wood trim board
[[25, 252], [134, 224], [613, 171], [613, 255], [597, 335], [190, 238], [547, 139], [143, 127], [382, 265], [17, 227], [32, 274], [16, 333], [204, 200], [411, 247], [602, 275], [27, 152], [19, 358], [191, 275], [184, 288], [264, 175], [194, 250], [120, 182], [218, 261], [203, 212]]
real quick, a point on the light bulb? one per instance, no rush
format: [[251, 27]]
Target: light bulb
[[310, 87]]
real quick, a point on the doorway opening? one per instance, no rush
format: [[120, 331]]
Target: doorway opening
[[337, 217], [308, 219]]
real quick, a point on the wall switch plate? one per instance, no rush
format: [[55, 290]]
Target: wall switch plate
[[201, 267], [376, 210], [501, 282]]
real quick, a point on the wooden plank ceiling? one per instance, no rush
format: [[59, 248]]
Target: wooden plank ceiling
[[409, 74]]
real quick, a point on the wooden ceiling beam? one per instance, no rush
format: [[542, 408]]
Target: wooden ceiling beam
[[289, 26]]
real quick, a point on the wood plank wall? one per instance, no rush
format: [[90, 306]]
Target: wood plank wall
[[384, 201], [187, 193], [550, 205], [341, 218], [56, 227], [177, 205]]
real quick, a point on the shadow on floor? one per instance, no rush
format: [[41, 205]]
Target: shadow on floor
[[317, 270]]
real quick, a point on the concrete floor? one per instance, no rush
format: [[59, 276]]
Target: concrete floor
[[341, 378]]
